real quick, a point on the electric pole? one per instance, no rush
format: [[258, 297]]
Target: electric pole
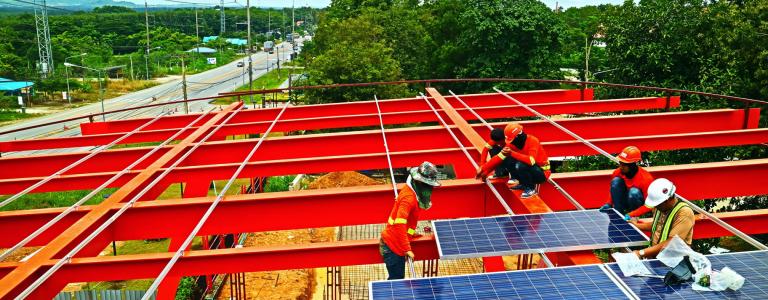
[[223, 20], [146, 23], [250, 59], [197, 32], [43, 39], [184, 84]]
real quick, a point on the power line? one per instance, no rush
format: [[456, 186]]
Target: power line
[[52, 7]]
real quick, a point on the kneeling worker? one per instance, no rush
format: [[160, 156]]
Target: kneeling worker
[[523, 157], [671, 217], [414, 197], [629, 185]]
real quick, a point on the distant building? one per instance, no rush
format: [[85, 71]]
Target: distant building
[[11, 87], [202, 50]]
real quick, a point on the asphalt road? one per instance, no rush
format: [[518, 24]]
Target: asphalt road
[[209, 83]]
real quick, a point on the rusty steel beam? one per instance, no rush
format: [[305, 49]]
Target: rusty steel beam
[[341, 121], [81, 227], [402, 140], [257, 259]]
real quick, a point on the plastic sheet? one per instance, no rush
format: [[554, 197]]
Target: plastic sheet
[[630, 264]]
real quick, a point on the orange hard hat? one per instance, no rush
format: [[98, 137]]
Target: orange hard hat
[[629, 155], [512, 130]]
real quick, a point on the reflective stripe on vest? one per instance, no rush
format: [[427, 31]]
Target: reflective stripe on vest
[[668, 224], [411, 231], [488, 146], [546, 167], [397, 221], [502, 156], [533, 161]]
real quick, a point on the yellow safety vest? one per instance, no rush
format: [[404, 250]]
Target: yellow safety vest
[[668, 224]]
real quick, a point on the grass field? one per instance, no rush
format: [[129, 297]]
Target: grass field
[[268, 81]]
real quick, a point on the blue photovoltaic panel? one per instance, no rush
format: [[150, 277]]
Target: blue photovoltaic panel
[[583, 282], [561, 231], [753, 266]]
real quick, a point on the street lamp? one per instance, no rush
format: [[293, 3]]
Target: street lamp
[[101, 89], [66, 71]]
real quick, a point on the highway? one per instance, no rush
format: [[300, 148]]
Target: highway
[[209, 83]]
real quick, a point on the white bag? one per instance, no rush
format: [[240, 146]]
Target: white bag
[[630, 264]]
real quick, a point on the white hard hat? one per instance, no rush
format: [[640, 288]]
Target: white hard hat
[[659, 191]]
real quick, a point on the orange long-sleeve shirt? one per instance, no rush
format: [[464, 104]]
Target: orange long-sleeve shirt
[[641, 180], [402, 222], [531, 154]]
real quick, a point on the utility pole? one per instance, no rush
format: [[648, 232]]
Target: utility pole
[[223, 19], [293, 19], [250, 47], [184, 84], [146, 23], [43, 39], [130, 57], [197, 32]]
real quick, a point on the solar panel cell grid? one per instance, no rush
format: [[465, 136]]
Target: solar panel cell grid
[[575, 230], [583, 282], [753, 266]]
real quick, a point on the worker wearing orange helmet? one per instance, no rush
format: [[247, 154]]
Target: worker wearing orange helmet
[[523, 157], [629, 185], [671, 217], [414, 197]]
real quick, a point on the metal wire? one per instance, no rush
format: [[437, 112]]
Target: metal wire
[[469, 157], [77, 204], [67, 258], [78, 162], [698, 209], [386, 147], [211, 208]]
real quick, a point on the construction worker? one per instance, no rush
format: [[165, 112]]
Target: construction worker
[[492, 148], [671, 217], [629, 185], [414, 197], [524, 159]]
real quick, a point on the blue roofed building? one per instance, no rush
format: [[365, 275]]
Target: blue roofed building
[[12, 87]]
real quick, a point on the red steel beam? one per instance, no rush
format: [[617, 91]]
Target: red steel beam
[[75, 233], [332, 110], [378, 160], [320, 208], [257, 259], [343, 121], [401, 140]]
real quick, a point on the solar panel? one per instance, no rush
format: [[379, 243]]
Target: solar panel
[[579, 282], [753, 266], [519, 234]]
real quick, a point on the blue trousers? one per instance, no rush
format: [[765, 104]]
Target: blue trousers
[[625, 200], [395, 263]]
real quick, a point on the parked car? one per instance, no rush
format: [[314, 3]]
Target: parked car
[[240, 64]]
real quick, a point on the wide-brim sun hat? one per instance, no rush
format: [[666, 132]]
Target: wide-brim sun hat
[[426, 173]]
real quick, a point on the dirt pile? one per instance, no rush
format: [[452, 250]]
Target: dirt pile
[[342, 179]]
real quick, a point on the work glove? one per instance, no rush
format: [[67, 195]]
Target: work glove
[[606, 208], [627, 217]]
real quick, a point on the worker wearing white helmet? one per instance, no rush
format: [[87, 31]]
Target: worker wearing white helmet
[[671, 217]]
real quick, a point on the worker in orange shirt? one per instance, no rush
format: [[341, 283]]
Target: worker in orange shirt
[[523, 157], [414, 197], [492, 148], [629, 185]]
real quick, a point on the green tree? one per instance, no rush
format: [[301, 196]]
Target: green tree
[[496, 38], [357, 56]]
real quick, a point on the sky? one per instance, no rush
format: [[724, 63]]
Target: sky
[[324, 3]]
